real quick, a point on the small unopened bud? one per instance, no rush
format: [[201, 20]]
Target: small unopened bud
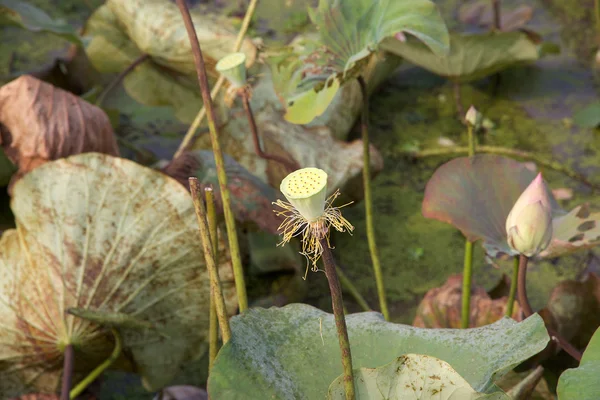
[[473, 117], [233, 68], [306, 189], [529, 223]]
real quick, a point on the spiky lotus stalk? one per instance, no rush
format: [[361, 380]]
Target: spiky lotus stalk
[[309, 213]]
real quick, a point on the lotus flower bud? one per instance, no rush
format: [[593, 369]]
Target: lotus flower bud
[[233, 68], [473, 117], [306, 189], [529, 223]]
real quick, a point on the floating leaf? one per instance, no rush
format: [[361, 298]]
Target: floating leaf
[[350, 32], [476, 195], [109, 236], [582, 383], [412, 376], [32, 18], [293, 352], [472, 56], [43, 123], [589, 117], [442, 307]]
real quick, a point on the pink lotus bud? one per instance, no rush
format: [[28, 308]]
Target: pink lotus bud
[[529, 224]]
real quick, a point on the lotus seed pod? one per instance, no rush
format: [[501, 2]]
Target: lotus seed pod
[[306, 190], [233, 68], [529, 223]]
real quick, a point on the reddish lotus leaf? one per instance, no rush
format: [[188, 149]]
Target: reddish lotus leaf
[[441, 307], [476, 195], [41, 123]]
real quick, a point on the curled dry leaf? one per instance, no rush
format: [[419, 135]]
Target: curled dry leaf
[[40, 122], [441, 307], [107, 235]]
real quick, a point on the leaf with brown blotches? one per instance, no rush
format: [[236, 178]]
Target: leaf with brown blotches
[[107, 235], [40, 123], [441, 307]]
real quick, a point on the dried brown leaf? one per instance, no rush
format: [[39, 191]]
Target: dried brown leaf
[[39, 123]]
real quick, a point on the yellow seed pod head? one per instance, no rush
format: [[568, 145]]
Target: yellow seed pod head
[[306, 190], [233, 68]]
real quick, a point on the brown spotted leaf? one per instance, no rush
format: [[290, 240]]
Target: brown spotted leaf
[[476, 195], [441, 307], [108, 235], [41, 123]]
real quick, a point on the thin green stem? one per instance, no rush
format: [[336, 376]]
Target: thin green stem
[[120, 77], [67, 377], [364, 125], [81, 386], [513, 288], [209, 257], [528, 311], [471, 139], [553, 165], [189, 136], [234, 248], [213, 323], [466, 288], [352, 290], [337, 303], [290, 165]]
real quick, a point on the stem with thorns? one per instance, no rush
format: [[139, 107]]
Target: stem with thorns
[[528, 311], [364, 125], [553, 165], [337, 303], [497, 15], [202, 113], [234, 248], [81, 386], [460, 111], [290, 165], [468, 260], [513, 288], [213, 323], [209, 257], [67, 377], [351, 288]]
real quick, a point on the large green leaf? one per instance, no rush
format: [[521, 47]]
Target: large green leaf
[[293, 352], [350, 31], [471, 56], [476, 195], [32, 18], [583, 383], [118, 240], [411, 377]]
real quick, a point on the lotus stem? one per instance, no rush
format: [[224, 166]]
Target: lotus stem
[[497, 15], [213, 323], [234, 247], [209, 257], [364, 125], [67, 377], [460, 111], [528, 311], [597, 9], [513, 288], [352, 290], [81, 386], [120, 77], [553, 165], [337, 303], [202, 113], [289, 165], [468, 260]]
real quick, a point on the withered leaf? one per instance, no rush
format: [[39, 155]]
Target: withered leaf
[[39, 123]]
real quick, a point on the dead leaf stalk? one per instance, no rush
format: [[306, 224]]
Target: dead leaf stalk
[[234, 247], [67, 377]]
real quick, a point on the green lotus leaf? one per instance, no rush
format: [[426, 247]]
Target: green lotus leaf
[[588, 117], [411, 377], [29, 17], [121, 31], [471, 56], [119, 241], [293, 352], [582, 383], [476, 195], [350, 32]]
